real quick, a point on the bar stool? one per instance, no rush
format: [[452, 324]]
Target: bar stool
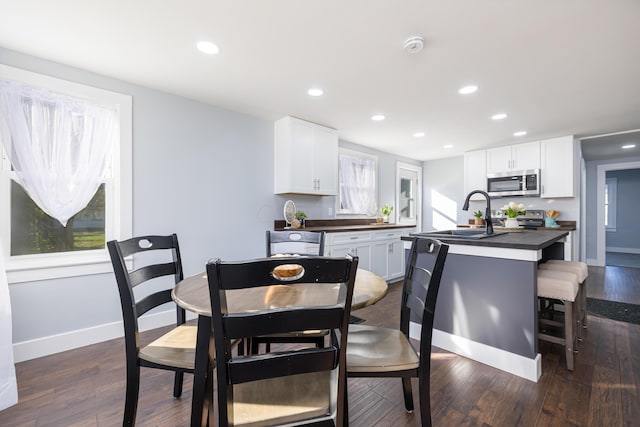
[[563, 287], [582, 271]]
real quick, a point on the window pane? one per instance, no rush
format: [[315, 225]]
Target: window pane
[[35, 232], [406, 198]]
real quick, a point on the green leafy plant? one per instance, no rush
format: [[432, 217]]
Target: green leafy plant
[[300, 215], [386, 210], [513, 209], [477, 214]]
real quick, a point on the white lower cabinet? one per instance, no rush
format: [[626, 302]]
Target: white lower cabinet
[[362, 250], [381, 252]]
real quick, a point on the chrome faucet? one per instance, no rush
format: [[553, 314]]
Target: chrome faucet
[[487, 213]]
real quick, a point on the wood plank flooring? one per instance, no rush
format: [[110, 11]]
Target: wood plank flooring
[[85, 387], [621, 284]]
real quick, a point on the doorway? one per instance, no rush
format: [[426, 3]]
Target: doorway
[[602, 203], [408, 192]]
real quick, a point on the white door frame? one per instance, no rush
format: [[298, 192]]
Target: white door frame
[[601, 238], [418, 196]]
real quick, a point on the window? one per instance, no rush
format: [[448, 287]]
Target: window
[[358, 177], [610, 202], [38, 247]]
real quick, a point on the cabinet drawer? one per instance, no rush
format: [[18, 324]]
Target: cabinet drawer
[[344, 238], [387, 235]]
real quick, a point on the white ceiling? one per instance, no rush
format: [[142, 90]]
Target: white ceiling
[[555, 67]]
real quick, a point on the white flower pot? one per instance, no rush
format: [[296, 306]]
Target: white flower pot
[[511, 223]]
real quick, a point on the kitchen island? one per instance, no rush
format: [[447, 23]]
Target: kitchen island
[[487, 303]]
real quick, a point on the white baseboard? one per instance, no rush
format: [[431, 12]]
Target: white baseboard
[[593, 262], [529, 369], [623, 250], [32, 349]]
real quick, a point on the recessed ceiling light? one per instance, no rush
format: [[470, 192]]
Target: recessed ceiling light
[[447, 146], [418, 134], [315, 92], [377, 117], [208, 48], [467, 89], [626, 147], [499, 116], [520, 133]]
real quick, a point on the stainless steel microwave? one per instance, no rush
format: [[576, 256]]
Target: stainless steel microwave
[[514, 183]]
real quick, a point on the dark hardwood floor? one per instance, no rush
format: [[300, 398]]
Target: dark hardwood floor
[[85, 387], [621, 284]]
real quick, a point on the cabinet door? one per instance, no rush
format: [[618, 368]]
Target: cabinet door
[[395, 256], [526, 156], [362, 250], [302, 143], [325, 161], [475, 172], [557, 172], [499, 159], [379, 261]]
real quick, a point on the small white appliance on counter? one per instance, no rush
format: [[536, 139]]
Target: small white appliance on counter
[[514, 183]]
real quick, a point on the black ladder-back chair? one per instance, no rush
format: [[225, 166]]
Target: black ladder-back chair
[[298, 384], [382, 352], [175, 350], [297, 240]]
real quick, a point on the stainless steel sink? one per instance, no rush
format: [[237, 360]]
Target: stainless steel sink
[[464, 233]]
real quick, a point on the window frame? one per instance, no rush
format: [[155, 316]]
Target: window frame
[[610, 203], [118, 190], [355, 153]]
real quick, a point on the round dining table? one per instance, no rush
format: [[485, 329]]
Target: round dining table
[[192, 294]]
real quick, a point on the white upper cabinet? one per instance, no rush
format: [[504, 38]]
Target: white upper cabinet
[[514, 157], [558, 167], [305, 158], [475, 172]]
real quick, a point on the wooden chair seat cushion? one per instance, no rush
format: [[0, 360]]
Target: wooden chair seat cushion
[[283, 399], [560, 285], [375, 349], [574, 268], [175, 348]]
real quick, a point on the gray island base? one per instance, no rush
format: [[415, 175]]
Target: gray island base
[[486, 307]]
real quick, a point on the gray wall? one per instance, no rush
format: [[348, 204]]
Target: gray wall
[[627, 234], [201, 171]]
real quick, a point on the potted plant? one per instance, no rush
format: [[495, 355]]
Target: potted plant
[[478, 218], [386, 211], [301, 216]]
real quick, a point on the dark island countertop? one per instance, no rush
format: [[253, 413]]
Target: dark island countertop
[[525, 239]]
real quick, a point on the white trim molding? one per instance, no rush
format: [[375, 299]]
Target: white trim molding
[[529, 369], [45, 346]]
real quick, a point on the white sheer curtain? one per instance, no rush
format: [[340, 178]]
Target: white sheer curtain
[[8, 385], [358, 184], [59, 147]]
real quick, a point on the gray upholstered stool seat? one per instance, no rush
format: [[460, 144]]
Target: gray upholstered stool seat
[[562, 286], [581, 270]]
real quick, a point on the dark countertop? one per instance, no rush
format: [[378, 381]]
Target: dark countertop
[[341, 225], [525, 239]]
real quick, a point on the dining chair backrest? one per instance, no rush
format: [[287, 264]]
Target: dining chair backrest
[[293, 383], [149, 268], [158, 267], [420, 291], [295, 242]]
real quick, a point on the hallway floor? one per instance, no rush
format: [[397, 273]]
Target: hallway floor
[[620, 259]]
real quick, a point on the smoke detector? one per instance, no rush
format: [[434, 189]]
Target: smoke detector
[[414, 44]]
